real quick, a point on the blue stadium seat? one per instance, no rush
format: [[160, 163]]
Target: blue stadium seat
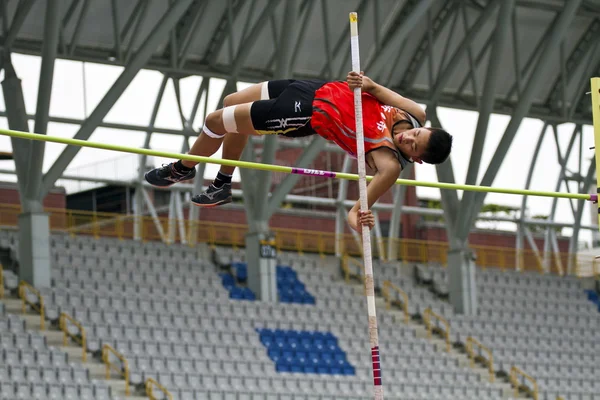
[[290, 288], [305, 352], [241, 271], [237, 292]]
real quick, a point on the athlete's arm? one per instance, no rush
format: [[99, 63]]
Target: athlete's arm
[[385, 95], [388, 170]]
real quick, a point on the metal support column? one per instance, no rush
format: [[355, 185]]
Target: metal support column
[[521, 226], [305, 159], [340, 214], [158, 35], [395, 221], [523, 106]]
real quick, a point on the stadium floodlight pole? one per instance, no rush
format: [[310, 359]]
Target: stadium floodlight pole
[[364, 206]]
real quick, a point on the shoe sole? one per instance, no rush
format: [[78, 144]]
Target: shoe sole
[[166, 186], [220, 203]]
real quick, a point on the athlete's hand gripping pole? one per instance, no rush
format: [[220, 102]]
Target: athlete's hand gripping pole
[[364, 206]]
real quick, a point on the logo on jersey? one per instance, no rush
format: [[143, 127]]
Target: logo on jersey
[[297, 106]]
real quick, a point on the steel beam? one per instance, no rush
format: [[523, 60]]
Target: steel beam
[[140, 18], [17, 22], [435, 28], [282, 70], [172, 219], [398, 202], [218, 38], [478, 59], [306, 12], [116, 31], [592, 66], [194, 212], [78, 27], [586, 42], [378, 237], [188, 35], [158, 34], [180, 219], [539, 48], [263, 184], [581, 204], [49, 50], [444, 77], [283, 188], [342, 41], [340, 215], [450, 202], [377, 60], [250, 40], [487, 102], [521, 111], [532, 165], [563, 160], [472, 68], [17, 120], [248, 178], [154, 215]]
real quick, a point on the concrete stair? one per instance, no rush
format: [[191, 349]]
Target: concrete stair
[[55, 338], [439, 343]]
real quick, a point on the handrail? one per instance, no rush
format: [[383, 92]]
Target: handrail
[[215, 233], [81, 340], [471, 342], [427, 314], [514, 379], [124, 371], [23, 287], [351, 260], [387, 286], [150, 384], [1, 282]]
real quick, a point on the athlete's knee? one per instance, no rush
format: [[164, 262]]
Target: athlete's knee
[[213, 125], [230, 100]]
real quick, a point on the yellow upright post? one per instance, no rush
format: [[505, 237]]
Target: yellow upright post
[[595, 84]]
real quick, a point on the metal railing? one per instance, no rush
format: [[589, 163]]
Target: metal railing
[[97, 224], [24, 288], [515, 373], [122, 370], [388, 287], [347, 261], [151, 384], [428, 314], [81, 338], [473, 354]]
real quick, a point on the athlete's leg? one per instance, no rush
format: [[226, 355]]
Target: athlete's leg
[[206, 145], [227, 121]]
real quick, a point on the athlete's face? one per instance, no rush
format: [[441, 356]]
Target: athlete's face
[[413, 142]]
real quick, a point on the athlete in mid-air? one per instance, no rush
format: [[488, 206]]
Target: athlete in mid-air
[[393, 125]]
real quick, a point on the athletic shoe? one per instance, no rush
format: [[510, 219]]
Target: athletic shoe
[[168, 175], [213, 196]]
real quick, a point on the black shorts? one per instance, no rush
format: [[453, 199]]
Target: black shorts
[[288, 110]]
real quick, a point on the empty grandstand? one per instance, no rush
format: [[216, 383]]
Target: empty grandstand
[[116, 286]]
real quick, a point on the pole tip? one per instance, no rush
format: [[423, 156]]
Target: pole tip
[[353, 17]]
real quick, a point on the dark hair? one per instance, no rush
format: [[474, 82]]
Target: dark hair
[[439, 146]]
